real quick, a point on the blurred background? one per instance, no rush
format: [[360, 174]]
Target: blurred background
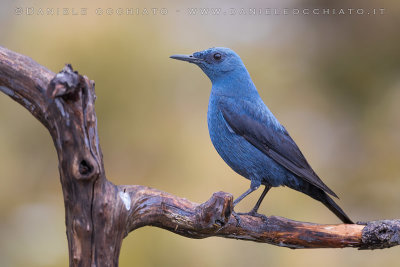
[[332, 80]]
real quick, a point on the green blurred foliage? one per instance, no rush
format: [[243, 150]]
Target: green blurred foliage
[[333, 81]]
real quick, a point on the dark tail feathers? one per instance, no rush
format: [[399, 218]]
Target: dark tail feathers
[[317, 194], [330, 204]]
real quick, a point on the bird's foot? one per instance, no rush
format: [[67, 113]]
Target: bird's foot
[[237, 217], [254, 213]]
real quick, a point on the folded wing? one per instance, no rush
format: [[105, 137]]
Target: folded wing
[[275, 143]]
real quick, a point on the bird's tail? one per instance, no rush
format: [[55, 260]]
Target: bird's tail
[[317, 194], [332, 206]]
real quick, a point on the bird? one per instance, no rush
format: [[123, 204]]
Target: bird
[[249, 138]]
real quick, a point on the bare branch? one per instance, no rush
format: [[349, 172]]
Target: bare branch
[[25, 81], [215, 218], [100, 214]]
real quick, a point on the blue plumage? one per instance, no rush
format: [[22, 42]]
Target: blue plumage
[[237, 152], [248, 136]]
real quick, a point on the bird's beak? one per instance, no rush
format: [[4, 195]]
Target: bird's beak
[[188, 58]]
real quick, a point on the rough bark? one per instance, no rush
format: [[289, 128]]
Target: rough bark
[[100, 214]]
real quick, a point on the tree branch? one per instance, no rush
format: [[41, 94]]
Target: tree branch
[[100, 214], [25, 81], [215, 218]]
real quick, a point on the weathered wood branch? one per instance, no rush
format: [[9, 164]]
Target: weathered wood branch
[[100, 214], [215, 218]]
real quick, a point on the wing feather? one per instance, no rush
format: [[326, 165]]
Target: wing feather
[[277, 144]]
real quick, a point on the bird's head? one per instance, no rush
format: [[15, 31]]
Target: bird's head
[[217, 62]]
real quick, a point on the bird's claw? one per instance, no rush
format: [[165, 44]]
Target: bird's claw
[[251, 213], [254, 213], [237, 217]]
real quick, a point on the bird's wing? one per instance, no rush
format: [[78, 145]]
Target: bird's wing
[[275, 143]]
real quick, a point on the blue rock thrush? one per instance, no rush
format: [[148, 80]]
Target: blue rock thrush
[[248, 136]]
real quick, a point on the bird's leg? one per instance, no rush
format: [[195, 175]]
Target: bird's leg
[[251, 189], [255, 209], [253, 186], [245, 194], [253, 212]]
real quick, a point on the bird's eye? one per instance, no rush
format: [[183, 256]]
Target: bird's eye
[[217, 56]]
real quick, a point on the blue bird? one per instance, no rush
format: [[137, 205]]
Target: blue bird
[[247, 135]]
